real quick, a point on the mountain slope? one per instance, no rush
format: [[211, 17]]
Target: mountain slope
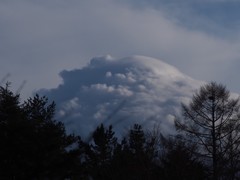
[[121, 92]]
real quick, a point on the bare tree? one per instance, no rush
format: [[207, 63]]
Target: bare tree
[[211, 120]]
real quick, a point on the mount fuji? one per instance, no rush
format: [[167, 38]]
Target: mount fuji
[[121, 92]]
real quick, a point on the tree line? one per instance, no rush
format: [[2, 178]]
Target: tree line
[[34, 145]]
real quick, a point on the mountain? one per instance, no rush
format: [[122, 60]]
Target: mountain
[[121, 92]]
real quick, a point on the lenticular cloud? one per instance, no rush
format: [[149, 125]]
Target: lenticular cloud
[[121, 92]]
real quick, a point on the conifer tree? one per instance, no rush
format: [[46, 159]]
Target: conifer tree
[[33, 144], [100, 152], [211, 121]]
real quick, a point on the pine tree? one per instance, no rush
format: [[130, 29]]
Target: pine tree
[[33, 144], [101, 151]]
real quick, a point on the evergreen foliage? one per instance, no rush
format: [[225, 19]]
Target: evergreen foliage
[[35, 146]]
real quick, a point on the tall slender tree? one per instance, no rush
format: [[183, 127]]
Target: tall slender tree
[[211, 120], [100, 152]]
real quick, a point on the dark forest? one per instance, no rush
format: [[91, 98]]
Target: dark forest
[[34, 145]]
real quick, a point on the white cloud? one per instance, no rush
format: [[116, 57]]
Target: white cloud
[[40, 38], [88, 97]]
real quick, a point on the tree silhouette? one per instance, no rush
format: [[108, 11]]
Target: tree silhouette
[[211, 120], [134, 158], [33, 144], [100, 152], [12, 136], [178, 161]]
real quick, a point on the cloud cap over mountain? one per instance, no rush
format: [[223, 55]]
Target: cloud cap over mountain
[[121, 92]]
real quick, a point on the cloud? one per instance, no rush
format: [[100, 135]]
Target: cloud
[[41, 38], [121, 92]]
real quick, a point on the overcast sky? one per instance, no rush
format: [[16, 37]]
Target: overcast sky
[[41, 38]]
